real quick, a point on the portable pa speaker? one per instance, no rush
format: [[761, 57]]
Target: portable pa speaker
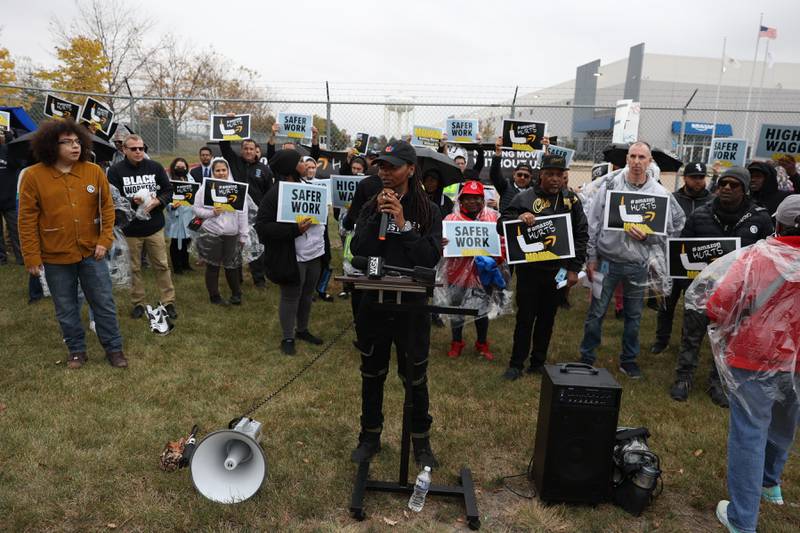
[[229, 466], [575, 432]]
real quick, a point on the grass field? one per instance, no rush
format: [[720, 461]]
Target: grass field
[[79, 449]]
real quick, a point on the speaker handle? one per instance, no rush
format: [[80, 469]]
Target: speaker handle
[[578, 368]]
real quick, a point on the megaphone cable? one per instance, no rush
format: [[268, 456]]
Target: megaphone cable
[[257, 405]]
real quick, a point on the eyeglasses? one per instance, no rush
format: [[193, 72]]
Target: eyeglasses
[[522, 174], [135, 148], [67, 142], [731, 184]]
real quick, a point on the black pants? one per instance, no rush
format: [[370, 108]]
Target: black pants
[[692, 333], [10, 216], [258, 269], [212, 280], [666, 312], [537, 305], [179, 257], [377, 331]]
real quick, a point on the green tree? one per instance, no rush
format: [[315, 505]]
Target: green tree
[[339, 138]]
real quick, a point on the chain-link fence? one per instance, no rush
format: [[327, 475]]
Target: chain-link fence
[[179, 126]]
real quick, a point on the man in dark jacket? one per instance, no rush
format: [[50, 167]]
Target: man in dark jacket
[[129, 176], [731, 214], [413, 238], [764, 186], [247, 168], [692, 195], [790, 166], [537, 295], [505, 188], [203, 170], [8, 200]]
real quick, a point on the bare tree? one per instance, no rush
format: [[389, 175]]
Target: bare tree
[[224, 81], [120, 28]]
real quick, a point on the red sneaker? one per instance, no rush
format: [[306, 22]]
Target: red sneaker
[[455, 349], [483, 349]]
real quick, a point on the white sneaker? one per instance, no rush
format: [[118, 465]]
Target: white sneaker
[[722, 516], [92, 327]]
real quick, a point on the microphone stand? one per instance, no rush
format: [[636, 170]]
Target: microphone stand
[[466, 489]]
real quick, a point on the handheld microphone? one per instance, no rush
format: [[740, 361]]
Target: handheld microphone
[[376, 269], [384, 225]]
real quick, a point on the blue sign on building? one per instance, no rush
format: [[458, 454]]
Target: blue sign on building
[[702, 128]]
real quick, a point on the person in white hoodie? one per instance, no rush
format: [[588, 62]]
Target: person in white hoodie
[[220, 240], [617, 256]]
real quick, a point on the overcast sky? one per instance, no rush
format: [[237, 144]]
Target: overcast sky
[[488, 42]]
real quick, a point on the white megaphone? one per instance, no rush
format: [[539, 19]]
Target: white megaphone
[[229, 466]]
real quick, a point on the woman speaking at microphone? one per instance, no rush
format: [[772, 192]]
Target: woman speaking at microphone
[[412, 237]]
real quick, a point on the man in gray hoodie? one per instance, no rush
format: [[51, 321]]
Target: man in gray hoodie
[[615, 257]]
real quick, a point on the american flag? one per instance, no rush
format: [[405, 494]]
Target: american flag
[[769, 33]]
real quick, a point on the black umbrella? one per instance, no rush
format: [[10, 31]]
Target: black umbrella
[[20, 148], [429, 159], [615, 154]]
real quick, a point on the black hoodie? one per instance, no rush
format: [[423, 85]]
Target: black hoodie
[[129, 179], [769, 197]]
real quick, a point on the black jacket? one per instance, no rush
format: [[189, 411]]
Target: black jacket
[[366, 189], [403, 249], [197, 174], [534, 200], [313, 152], [769, 197], [256, 174], [280, 260], [689, 203], [8, 180], [129, 179], [506, 188], [752, 225]]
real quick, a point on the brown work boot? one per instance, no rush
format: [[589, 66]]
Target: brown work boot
[[76, 360], [117, 359]]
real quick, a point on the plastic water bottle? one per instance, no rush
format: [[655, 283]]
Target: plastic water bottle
[[421, 487]]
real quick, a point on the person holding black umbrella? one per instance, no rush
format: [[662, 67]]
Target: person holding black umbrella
[[9, 172]]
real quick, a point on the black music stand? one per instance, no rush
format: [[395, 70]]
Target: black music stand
[[466, 489]]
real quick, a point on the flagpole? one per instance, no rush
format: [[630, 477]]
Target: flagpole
[[719, 85], [761, 85], [752, 76]]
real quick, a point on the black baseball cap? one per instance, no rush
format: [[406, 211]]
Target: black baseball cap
[[695, 168], [523, 166], [554, 161], [397, 154]]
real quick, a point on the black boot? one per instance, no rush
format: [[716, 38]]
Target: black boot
[[368, 445], [423, 455]]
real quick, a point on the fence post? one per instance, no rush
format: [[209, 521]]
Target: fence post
[[132, 105], [158, 135], [328, 140], [682, 149], [514, 101]]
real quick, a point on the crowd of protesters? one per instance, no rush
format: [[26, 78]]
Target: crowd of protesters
[[60, 212]]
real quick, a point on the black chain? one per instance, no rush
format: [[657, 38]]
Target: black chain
[[256, 406]]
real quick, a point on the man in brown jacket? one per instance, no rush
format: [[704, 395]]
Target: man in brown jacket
[[66, 217]]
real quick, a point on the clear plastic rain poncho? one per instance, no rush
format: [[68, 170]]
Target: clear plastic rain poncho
[[480, 282], [253, 248], [752, 298], [119, 259]]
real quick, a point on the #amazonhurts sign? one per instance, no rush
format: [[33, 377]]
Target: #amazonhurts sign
[[626, 209], [549, 238], [686, 258], [225, 194], [183, 192], [56, 107], [98, 115], [523, 136], [298, 201], [230, 128], [470, 239]]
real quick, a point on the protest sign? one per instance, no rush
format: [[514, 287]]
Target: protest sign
[[470, 238], [548, 239], [226, 194], [522, 135], [230, 128], [426, 136], [108, 136], [5, 121], [295, 126], [727, 152], [56, 107], [627, 209], [183, 192], [566, 153], [626, 122], [298, 201], [330, 163], [343, 188], [322, 182], [361, 144], [687, 257], [775, 140], [462, 130], [98, 115]]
